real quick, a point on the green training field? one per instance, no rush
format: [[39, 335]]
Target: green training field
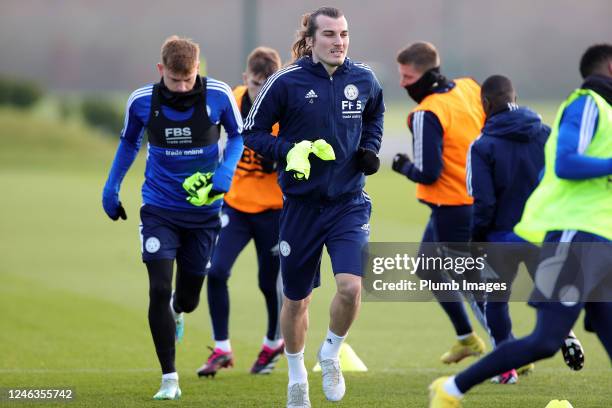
[[73, 296]]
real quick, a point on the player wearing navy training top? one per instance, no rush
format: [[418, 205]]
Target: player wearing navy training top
[[182, 115], [504, 165], [331, 107]]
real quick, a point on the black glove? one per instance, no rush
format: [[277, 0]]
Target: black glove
[[368, 161], [401, 163], [267, 166], [120, 213]]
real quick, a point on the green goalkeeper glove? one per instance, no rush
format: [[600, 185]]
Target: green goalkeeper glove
[[297, 158], [195, 182], [200, 189], [205, 196]]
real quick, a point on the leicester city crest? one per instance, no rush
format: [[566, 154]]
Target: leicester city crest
[[351, 92]]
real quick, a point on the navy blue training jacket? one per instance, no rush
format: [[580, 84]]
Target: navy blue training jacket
[[503, 169], [345, 109]]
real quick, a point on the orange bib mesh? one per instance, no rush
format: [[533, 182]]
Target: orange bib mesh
[[461, 115], [252, 190]]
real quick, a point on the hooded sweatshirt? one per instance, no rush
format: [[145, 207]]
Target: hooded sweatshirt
[[503, 168]]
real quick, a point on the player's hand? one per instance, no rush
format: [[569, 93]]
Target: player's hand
[[297, 160], [367, 161], [205, 196], [112, 206], [195, 182], [401, 163], [114, 209], [267, 166]]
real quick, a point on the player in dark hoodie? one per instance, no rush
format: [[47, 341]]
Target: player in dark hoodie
[[504, 167]]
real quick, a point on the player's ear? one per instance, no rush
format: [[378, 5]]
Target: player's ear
[[309, 41], [244, 78], [160, 68], [485, 104]]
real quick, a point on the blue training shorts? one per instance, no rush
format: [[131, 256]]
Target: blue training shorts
[[343, 226], [188, 237], [575, 266]]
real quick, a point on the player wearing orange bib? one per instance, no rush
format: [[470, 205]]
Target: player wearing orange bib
[[251, 211], [447, 119]]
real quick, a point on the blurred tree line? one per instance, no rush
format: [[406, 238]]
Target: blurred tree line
[[97, 110], [21, 94]]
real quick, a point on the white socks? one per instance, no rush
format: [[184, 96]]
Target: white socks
[[451, 388], [295, 362], [223, 345], [297, 369], [331, 346], [273, 344], [170, 376]]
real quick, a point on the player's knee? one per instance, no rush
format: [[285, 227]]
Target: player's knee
[[545, 346], [350, 291], [422, 274], [217, 280], [188, 303], [429, 274], [160, 292], [296, 307], [218, 273], [497, 306], [267, 288]]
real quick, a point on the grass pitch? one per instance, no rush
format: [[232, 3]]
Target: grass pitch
[[73, 296]]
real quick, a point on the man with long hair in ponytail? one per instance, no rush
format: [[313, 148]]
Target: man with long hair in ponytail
[[330, 111]]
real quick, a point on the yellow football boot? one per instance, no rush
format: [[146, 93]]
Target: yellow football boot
[[470, 346], [439, 398]]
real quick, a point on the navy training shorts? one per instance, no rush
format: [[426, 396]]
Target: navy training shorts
[[343, 226], [188, 237]]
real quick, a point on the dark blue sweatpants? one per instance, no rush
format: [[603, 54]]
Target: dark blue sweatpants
[[505, 255], [448, 224], [238, 228]]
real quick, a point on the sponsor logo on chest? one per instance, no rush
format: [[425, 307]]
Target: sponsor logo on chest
[[178, 135], [351, 106]]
